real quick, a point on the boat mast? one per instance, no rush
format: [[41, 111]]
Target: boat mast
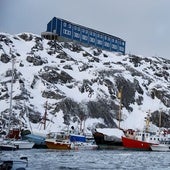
[[120, 105], [10, 108], [45, 116], [84, 126], [160, 117], [81, 120], [147, 121]]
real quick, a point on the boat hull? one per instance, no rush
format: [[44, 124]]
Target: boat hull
[[104, 143], [7, 147], [133, 144], [161, 147], [58, 145], [23, 144]]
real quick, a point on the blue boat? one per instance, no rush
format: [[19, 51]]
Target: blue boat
[[37, 139], [77, 138]]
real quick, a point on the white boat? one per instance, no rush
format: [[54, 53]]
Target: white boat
[[164, 147], [23, 144], [9, 144]]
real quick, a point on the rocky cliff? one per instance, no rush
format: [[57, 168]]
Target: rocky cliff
[[80, 83]]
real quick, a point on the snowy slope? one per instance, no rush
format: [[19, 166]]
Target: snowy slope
[[76, 81]]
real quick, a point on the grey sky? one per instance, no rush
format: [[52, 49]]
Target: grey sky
[[143, 24]]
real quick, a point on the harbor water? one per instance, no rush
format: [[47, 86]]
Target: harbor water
[[46, 159]]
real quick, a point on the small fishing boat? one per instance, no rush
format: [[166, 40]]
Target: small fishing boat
[[15, 143], [58, 140]]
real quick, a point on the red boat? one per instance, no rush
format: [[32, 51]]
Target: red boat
[[142, 140], [135, 144]]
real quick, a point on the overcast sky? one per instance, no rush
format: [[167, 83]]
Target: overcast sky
[[143, 24]]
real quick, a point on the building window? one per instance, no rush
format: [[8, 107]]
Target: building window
[[69, 26], [76, 35], [92, 39], [106, 44], [67, 32], [84, 37]]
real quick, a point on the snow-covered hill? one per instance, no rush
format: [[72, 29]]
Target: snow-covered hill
[[80, 83]]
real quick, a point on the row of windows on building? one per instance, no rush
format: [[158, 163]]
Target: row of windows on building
[[92, 39], [78, 29]]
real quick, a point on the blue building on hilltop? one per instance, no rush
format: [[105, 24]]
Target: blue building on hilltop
[[62, 30]]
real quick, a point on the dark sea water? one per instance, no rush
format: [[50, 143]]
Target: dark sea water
[[46, 159]]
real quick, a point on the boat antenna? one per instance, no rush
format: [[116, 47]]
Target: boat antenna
[[28, 115]]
